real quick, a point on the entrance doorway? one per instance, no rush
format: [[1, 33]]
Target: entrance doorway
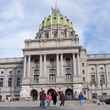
[[69, 94], [34, 94], [51, 91]]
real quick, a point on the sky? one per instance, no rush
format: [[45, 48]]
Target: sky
[[20, 20]]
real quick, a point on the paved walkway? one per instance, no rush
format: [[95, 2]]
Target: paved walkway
[[70, 105]]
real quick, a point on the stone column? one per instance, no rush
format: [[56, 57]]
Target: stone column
[[57, 65], [29, 66], [74, 65], [78, 66], [41, 64], [25, 90], [62, 65], [45, 66], [107, 76], [24, 73]]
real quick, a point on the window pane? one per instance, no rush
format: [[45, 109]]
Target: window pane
[[1, 82], [69, 77], [18, 82], [52, 77], [9, 82], [36, 78]]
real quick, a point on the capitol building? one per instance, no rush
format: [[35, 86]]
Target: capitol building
[[55, 61]]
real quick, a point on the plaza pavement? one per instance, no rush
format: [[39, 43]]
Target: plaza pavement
[[70, 105]]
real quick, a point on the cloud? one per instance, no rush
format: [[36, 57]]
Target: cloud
[[14, 10], [13, 47], [20, 19]]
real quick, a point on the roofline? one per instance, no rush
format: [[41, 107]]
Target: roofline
[[12, 58]]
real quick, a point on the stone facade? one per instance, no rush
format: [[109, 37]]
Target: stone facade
[[55, 61], [11, 72]]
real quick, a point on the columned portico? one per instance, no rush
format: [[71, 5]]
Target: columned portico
[[53, 54]]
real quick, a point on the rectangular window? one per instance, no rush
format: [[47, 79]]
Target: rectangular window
[[84, 79], [18, 82], [1, 82], [36, 78], [83, 72], [93, 81], [52, 77], [9, 82], [102, 79], [82, 64], [68, 77]]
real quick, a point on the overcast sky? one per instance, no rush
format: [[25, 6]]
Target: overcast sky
[[20, 19]]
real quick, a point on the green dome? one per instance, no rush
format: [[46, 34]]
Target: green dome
[[56, 19]]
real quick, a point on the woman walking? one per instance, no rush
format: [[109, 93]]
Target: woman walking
[[49, 98]]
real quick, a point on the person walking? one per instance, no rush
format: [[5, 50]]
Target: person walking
[[54, 98], [62, 99], [49, 99], [42, 99], [81, 98]]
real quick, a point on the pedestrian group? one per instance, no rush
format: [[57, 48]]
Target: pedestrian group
[[46, 99]]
